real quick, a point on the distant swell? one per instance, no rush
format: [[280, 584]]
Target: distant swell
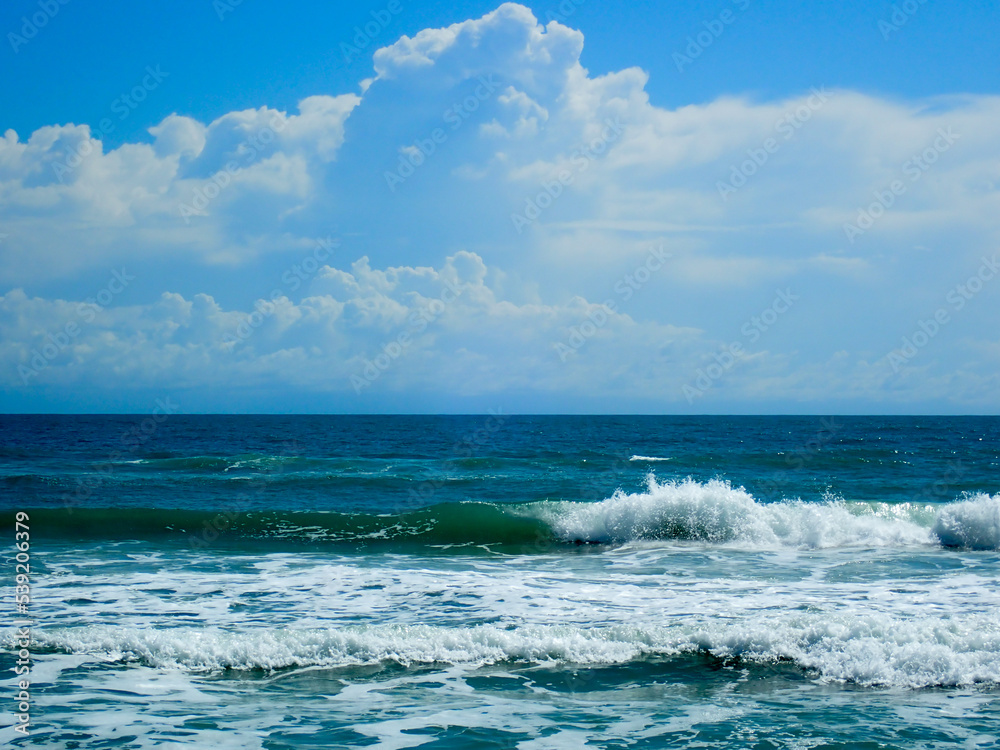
[[443, 524], [711, 512], [869, 650]]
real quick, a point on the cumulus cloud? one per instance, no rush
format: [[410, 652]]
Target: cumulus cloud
[[69, 203], [490, 135], [362, 333], [355, 330]]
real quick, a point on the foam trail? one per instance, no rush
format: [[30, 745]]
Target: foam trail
[[868, 649], [649, 458]]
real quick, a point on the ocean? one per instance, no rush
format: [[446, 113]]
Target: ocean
[[499, 581]]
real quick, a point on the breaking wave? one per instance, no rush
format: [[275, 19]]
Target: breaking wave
[[713, 512], [868, 650]]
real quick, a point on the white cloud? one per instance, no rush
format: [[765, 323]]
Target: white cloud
[[367, 333], [69, 204], [457, 333], [745, 195]]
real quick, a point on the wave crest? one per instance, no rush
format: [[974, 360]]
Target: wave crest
[[716, 512], [973, 523], [869, 650], [712, 512]]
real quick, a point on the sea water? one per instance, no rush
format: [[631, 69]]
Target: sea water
[[503, 581]]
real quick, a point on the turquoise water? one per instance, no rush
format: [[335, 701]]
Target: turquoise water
[[495, 581]]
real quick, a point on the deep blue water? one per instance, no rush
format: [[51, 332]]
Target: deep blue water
[[508, 581], [379, 463]]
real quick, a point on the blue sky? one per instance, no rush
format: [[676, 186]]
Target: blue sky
[[731, 206]]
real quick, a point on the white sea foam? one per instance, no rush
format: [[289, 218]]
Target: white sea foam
[[717, 512], [649, 458], [973, 523], [870, 650]]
